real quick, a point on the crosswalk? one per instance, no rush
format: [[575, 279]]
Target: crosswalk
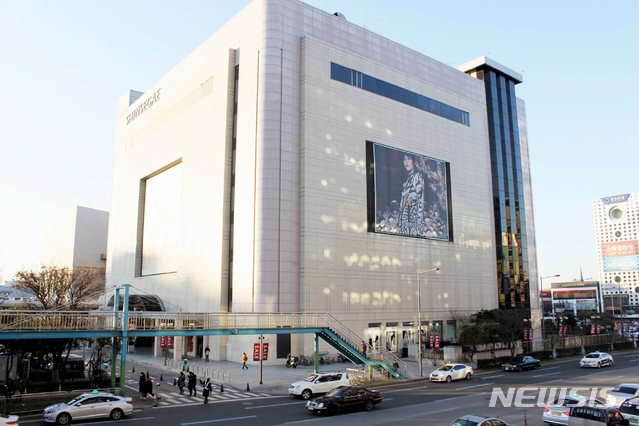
[[229, 394], [171, 398]]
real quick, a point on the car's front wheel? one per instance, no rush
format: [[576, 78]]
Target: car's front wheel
[[598, 365], [449, 379], [116, 414], [468, 376], [368, 405], [63, 419], [519, 369], [332, 409], [307, 394]]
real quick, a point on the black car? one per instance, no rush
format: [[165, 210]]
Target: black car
[[344, 398], [520, 363]]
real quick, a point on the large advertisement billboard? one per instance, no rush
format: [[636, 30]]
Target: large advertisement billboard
[[620, 256], [408, 194]]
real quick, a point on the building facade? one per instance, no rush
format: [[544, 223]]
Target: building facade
[[296, 162], [77, 238], [616, 228]]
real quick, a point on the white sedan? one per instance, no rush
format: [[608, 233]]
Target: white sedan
[[11, 420], [596, 359], [450, 372]]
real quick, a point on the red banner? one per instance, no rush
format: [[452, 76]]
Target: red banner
[[256, 352], [264, 351], [432, 341], [598, 328], [169, 342], [436, 341], [593, 329], [162, 341], [525, 334], [530, 334]]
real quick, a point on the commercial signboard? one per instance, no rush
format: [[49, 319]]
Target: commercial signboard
[[408, 194], [621, 263], [620, 248]]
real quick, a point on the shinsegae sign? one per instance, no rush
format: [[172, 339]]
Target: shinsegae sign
[[148, 103]]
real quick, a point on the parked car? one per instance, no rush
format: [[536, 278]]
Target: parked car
[[472, 420], [318, 383], [522, 362], [558, 411], [619, 394], [344, 398], [89, 406], [630, 410], [11, 420], [596, 416], [450, 372], [596, 359]]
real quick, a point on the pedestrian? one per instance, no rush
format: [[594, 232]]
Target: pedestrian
[[181, 382], [363, 348], [244, 359], [149, 386], [142, 387], [208, 387], [192, 384], [207, 351]]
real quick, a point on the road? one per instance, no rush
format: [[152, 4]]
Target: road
[[414, 402]]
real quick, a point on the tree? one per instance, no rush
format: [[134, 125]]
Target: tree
[[470, 337], [56, 288], [62, 288]]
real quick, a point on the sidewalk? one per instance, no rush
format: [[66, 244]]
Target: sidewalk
[[275, 378]]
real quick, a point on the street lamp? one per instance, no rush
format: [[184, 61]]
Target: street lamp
[[419, 316]]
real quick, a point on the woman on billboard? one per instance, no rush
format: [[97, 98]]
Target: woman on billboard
[[411, 210]]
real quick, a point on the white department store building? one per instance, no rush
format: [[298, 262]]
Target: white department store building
[[267, 173]]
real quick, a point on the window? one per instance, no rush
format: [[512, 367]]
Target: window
[[397, 93]]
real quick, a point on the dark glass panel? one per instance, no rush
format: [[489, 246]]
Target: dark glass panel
[[397, 93], [383, 88], [369, 83], [340, 73]]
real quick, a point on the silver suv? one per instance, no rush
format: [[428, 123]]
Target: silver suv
[[318, 383]]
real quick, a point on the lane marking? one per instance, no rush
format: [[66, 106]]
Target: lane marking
[[550, 381], [218, 420], [119, 421], [275, 405], [404, 390], [549, 368], [433, 412], [492, 377], [547, 374], [475, 386]]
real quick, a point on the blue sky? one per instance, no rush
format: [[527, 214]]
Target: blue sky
[[64, 64]]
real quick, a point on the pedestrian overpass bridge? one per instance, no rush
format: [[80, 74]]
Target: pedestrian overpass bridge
[[126, 324]]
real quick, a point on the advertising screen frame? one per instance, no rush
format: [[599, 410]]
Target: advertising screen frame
[[391, 188]]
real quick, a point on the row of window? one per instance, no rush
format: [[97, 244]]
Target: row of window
[[396, 93]]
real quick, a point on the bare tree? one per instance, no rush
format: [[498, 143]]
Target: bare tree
[[62, 288]]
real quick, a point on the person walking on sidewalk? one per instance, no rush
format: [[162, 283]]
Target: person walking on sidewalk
[[181, 382], [244, 359], [192, 384], [207, 351], [142, 385], [208, 387]]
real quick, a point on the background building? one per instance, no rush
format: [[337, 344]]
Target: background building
[[575, 296], [616, 228], [78, 237], [296, 162]]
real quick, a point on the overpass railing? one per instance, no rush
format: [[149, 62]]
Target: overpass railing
[[29, 321]]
